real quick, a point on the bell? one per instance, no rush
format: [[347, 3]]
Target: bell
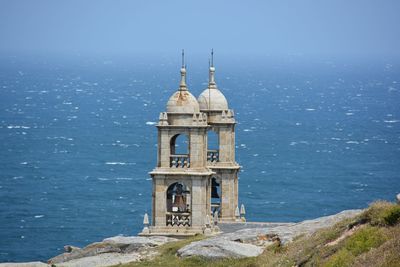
[[214, 189]]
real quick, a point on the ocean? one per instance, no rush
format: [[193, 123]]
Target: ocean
[[78, 138]]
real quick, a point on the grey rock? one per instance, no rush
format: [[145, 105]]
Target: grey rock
[[219, 248]]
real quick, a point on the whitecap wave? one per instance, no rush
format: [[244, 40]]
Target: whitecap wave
[[119, 163], [18, 127]]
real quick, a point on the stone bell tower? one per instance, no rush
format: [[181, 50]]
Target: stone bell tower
[[188, 175], [221, 159], [181, 180]]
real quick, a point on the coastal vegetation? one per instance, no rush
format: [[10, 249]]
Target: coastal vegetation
[[369, 239]]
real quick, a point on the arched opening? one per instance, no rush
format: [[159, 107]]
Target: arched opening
[[212, 147], [178, 205], [215, 195], [180, 144], [179, 151]]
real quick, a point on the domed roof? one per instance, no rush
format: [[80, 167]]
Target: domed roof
[[182, 101], [212, 98]]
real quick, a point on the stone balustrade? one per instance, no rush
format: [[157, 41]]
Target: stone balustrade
[[212, 156], [180, 161], [178, 218]]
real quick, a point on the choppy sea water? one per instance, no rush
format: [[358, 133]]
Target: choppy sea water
[[78, 139]]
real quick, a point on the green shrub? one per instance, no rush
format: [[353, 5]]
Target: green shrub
[[382, 213], [363, 240], [341, 259], [391, 216]]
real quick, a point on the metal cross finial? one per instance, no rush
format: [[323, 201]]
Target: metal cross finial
[[183, 58], [212, 57]]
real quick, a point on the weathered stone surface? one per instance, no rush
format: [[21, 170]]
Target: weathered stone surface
[[286, 232], [249, 242], [149, 241], [24, 264], [102, 260], [220, 248], [137, 247]]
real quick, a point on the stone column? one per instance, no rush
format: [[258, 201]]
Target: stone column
[[164, 148], [199, 202], [198, 148], [227, 143], [236, 183], [160, 207]]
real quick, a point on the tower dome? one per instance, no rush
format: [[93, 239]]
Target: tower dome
[[212, 98], [182, 101]]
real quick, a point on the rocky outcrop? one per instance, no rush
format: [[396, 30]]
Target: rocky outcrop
[[250, 242], [111, 251], [238, 240]]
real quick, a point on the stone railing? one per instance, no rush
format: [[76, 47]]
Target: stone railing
[[179, 161], [178, 219], [212, 156]]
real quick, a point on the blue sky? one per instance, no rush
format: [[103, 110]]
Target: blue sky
[[332, 28]]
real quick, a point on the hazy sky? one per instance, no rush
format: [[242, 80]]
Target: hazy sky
[[336, 27]]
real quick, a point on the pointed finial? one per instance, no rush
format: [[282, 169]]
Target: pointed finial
[[146, 223], [242, 210], [182, 85], [146, 219], [208, 221], [216, 217], [211, 83], [237, 213]]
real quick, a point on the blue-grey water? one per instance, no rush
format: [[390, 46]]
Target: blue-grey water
[[314, 137]]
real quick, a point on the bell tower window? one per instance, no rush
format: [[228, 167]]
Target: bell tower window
[[178, 205], [212, 147], [215, 195], [179, 154]]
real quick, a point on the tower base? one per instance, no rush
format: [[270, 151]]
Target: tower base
[[177, 231]]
